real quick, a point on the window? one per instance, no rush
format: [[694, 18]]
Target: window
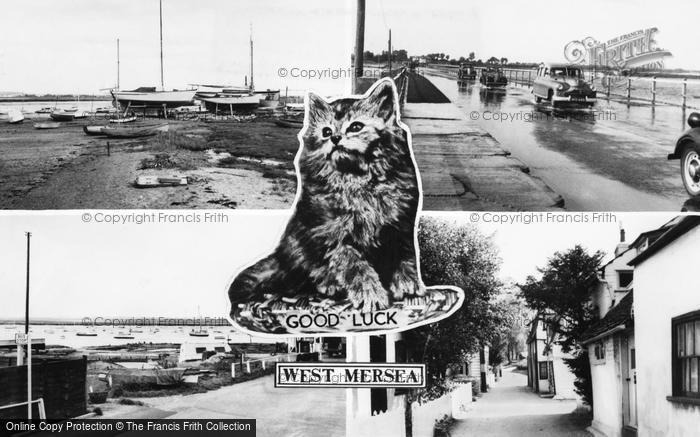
[[624, 279], [544, 370], [686, 355], [599, 351]]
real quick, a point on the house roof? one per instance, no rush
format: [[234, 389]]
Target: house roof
[[684, 225], [619, 315]]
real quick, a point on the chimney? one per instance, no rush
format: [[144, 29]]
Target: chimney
[[621, 246]]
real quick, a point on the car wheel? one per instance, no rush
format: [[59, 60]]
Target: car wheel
[[550, 95], [690, 169]]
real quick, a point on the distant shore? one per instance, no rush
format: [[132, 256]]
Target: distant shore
[[55, 98]]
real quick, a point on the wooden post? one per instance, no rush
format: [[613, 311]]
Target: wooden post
[[359, 42], [108, 151], [653, 90], [685, 92], [629, 88]]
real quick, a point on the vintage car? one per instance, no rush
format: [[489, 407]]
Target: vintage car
[[493, 77], [466, 72], [688, 151], [563, 85]]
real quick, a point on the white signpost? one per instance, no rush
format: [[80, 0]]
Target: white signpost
[[24, 339]]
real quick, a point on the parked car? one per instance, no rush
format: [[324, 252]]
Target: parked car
[[466, 72], [688, 151], [563, 84], [493, 77]]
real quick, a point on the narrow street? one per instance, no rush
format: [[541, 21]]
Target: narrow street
[[510, 408]]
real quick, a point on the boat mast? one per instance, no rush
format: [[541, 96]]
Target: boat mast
[[252, 87], [118, 64], [162, 86]]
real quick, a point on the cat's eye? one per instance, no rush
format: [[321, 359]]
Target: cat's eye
[[326, 132], [355, 127]]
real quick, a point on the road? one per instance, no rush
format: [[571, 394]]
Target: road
[[612, 158], [511, 409], [294, 412]]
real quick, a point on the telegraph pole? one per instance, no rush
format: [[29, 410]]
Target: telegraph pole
[[389, 54], [29, 339], [359, 42]]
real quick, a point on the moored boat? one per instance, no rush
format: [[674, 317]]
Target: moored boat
[[199, 333], [133, 132], [230, 103], [15, 117], [86, 334], [123, 119], [289, 122], [93, 130], [45, 110], [148, 97], [61, 115]]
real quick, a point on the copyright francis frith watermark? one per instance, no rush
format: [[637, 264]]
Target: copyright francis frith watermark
[[154, 321]]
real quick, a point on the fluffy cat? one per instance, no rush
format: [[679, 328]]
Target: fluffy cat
[[351, 236]]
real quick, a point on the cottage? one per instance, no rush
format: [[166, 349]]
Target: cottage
[[667, 332], [611, 341], [547, 373]]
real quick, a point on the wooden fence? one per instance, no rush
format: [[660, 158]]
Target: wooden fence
[[60, 383]]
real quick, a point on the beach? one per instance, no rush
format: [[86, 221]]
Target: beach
[[228, 164]]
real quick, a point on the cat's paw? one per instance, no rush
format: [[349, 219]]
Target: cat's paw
[[367, 293], [403, 286]]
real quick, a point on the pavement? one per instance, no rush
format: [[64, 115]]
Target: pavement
[[512, 409], [462, 167]]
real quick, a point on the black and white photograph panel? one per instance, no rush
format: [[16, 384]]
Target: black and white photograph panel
[[162, 103], [543, 105], [572, 324]]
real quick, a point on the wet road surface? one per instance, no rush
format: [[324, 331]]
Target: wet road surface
[[611, 158]]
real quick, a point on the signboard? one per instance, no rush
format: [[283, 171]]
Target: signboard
[[347, 261], [21, 338]]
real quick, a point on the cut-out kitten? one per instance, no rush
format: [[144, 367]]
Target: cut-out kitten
[[351, 236]]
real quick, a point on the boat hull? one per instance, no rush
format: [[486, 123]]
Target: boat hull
[[62, 116], [228, 104], [156, 99]]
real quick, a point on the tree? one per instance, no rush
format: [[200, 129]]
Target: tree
[[460, 255], [472, 56], [562, 295], [492, 60]]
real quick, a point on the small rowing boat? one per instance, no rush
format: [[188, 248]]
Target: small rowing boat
[[133, 132], [123, 119], [93, 130], [289, 122]]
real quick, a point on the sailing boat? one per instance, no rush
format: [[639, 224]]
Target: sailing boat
[[148, 97], [230, 99], [199, 332]]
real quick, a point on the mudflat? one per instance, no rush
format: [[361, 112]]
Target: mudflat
[[228, 164]]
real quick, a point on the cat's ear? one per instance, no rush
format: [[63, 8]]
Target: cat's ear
[[318, 108], [383, 99]]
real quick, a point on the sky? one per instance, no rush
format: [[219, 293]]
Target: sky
[[534, 31], [51, 46], [70, 47], [98, 269]]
